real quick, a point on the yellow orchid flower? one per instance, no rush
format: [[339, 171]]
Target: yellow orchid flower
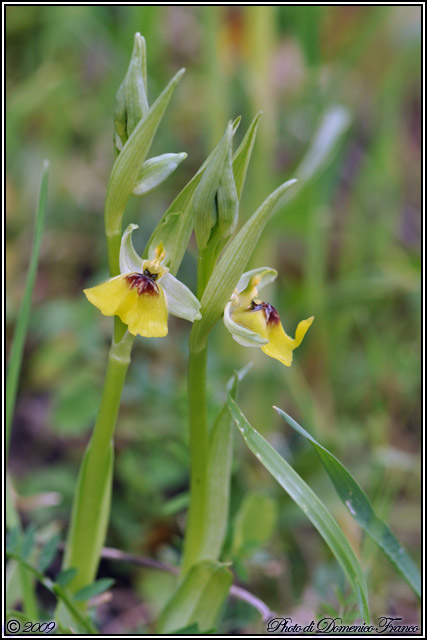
[[254, 323], [144, 293]]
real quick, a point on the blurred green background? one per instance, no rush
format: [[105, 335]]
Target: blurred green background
[[347, 250]]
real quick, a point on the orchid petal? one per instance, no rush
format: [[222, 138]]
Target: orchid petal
[[181, 301]]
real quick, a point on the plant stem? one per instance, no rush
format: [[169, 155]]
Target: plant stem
[[91, 506], [198, 456], [114, 237]]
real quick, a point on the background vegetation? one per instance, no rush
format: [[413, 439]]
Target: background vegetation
[[347, 250]]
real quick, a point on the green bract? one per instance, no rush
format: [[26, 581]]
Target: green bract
[[206, 199], [155, 171], [131, 100]]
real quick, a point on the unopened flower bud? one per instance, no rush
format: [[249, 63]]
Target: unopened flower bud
[[131, 100]]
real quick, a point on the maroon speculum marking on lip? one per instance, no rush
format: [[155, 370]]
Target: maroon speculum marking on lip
[[270, 313], [143, 282]]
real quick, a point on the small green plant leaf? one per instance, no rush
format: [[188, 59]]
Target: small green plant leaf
[[64, 577], [198, 600], [94, 589], [75, 615], [360, 508], [48, 553], [13, 537], [308, 501], [28, 541]]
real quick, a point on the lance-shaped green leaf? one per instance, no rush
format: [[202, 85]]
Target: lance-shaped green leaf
[[94, 589], [243, 154], [131, 100], [198, 600], [230, 267], [358, 505], [47, 554], [155, 171], [28, 541], [176, 225], [126, 169], [308, 501], [227, 200], [64, 577], [218, 476], [204, 205]]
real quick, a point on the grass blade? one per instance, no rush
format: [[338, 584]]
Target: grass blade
[[308, 501], [358, 505], [15, 359]]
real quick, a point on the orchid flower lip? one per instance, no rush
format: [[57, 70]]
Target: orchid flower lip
[[270, 313], [143, 283]]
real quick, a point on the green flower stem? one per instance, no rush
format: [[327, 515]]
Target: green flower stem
[[91, 506], [199, 441], [114, 238]]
